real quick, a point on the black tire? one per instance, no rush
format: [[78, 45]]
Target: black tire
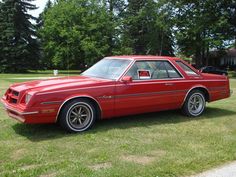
[[77, 122], [189, 105]]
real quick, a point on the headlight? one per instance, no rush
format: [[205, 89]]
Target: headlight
[[27, 98]]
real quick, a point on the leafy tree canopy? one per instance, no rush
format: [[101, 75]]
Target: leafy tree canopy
[[76, 32]]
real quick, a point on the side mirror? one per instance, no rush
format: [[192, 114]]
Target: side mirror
[[127, 79]]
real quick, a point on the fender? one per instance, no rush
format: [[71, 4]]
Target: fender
[[73, 97], [194, 87]]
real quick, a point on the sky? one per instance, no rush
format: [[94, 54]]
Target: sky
[[40, 4]]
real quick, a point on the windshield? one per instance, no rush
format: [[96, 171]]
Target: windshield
[[107, 68]]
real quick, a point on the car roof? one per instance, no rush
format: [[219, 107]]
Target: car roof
[[141, 57]]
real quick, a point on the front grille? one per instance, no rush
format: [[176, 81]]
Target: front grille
[[13, 100], [12, 96], [15, 93]]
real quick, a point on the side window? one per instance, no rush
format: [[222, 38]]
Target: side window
[[146, 70], [172, 71], [137, 69], [187, 69], [159, 71]]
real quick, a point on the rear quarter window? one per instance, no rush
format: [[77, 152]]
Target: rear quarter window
[[187, 69]]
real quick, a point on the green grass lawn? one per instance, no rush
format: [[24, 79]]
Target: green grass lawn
[[157, 144]]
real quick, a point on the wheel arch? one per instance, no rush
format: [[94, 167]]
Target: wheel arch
[[201, 88], [90, 98]]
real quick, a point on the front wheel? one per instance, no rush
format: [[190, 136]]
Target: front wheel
[[77, 115], [194, 104]]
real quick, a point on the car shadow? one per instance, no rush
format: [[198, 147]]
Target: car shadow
[[42, 132]]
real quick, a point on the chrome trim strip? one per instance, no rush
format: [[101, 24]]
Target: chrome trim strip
[[21, 113], [163, 82], [150, 93], [6, 107], [142, 94], [51, 102], [16, 117], [29, 113], [110, 58], [84, 96], [131, 83], [166, 79], [126, 69], [164, 59]]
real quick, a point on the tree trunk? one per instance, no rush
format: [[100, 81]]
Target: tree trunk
[[207, 55], [203, 46], [198, 56], [235, 42], [111, 9]]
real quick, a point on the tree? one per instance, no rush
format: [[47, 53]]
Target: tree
[[40, 19], [229, 7], [199, 27], [76, 32], [115, 9], [144, 30], [45, 62], [79, 32], [18, 43]]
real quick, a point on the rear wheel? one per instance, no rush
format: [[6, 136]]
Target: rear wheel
[[195, 104], [77, 115]]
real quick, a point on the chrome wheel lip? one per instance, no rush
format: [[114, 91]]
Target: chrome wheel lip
[[196, 104], [86, 123]]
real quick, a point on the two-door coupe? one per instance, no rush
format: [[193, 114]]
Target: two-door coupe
[[115, 86]]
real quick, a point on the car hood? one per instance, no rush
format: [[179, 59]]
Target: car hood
[[58, 83]]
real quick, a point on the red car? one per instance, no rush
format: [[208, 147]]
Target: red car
[[115, 86]]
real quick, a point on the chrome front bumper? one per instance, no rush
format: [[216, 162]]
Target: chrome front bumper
[[15, 113], [9, 108]]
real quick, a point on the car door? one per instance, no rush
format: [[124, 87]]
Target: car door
[[154, 87]]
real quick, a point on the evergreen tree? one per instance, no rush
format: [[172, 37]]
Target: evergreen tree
[[18, 43], [45, 62], [115, 9], [40, 19]]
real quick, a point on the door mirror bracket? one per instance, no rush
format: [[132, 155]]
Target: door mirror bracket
[[127, 79]]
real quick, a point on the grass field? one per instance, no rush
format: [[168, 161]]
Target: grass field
[[157, 144]]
